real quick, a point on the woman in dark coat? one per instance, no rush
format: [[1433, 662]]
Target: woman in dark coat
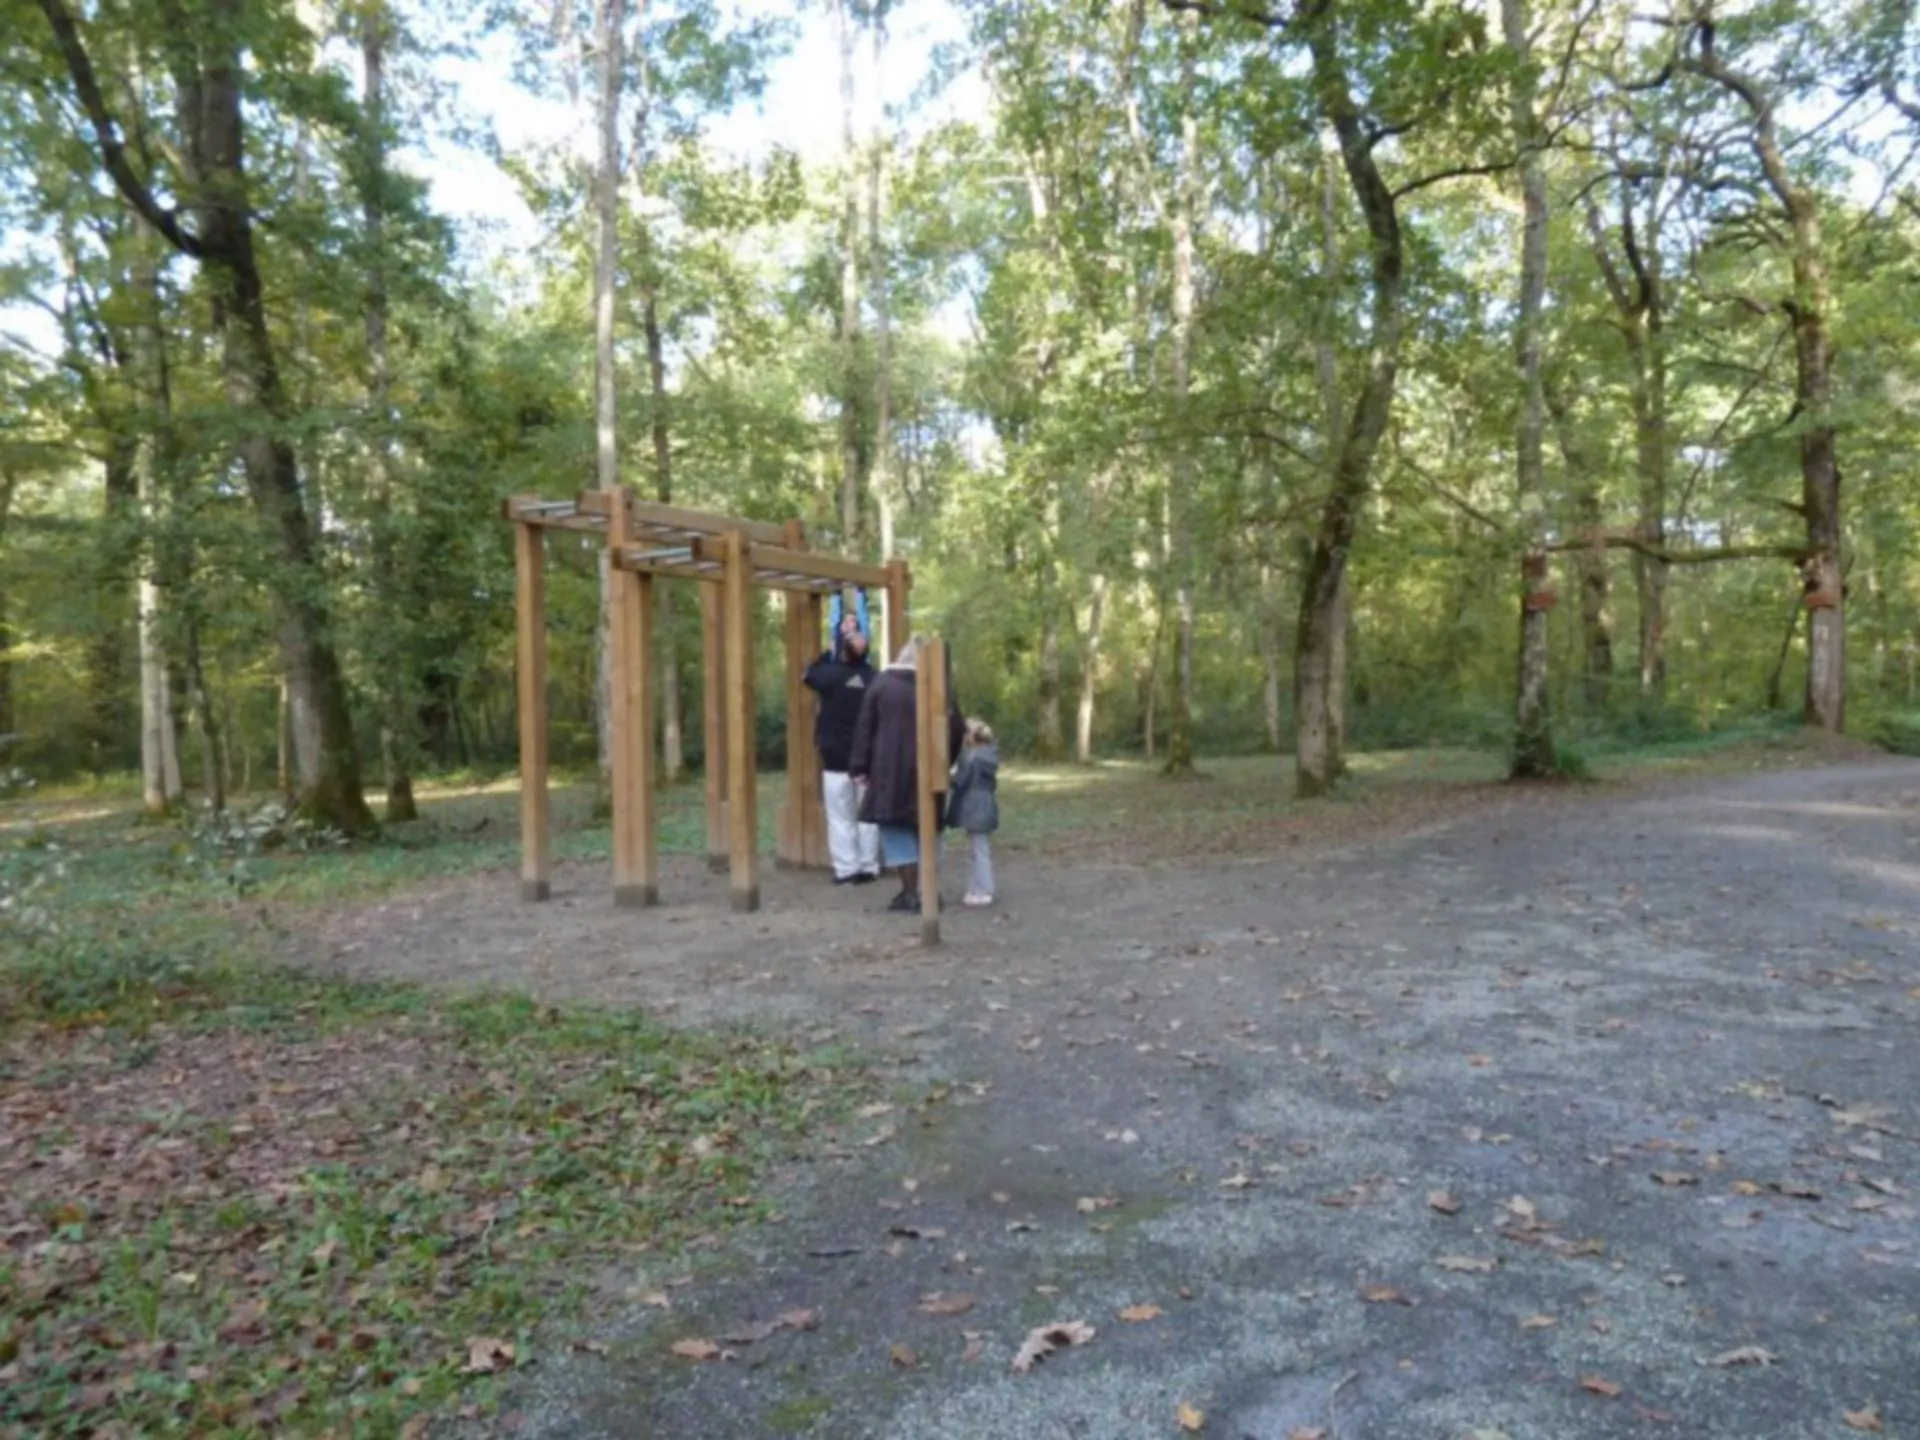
[[885, 762]]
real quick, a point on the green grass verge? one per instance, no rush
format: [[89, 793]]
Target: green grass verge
[[237, 1200]]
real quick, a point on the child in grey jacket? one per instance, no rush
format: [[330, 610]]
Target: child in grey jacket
[[973, 805]]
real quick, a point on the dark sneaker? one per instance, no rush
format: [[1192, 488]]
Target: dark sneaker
[[907, 902], [865, 877]]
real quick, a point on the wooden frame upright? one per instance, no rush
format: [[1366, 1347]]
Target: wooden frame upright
[[731, 557]]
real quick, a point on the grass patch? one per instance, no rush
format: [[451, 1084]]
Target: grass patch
[[236, 1199], [302, 1213]]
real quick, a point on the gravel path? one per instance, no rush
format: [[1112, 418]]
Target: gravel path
[[1566, 1120]]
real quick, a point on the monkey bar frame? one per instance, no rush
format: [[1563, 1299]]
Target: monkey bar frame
[[731, 557]]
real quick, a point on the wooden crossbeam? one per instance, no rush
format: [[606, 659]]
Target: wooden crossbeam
[[550, 514], [652, 517], [782, 567]]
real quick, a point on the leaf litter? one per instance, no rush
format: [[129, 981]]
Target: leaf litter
[[346, 1191]]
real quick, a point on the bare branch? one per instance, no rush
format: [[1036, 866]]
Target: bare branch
[[1457, 172], [1709, 556], [113, 151]]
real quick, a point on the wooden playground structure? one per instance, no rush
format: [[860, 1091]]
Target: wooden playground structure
[[730, 558]]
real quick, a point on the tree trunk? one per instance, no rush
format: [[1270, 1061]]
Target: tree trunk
[[1776, 673], [609, 37], [6, 632], [106, 654], [397, 735], [1321, 628], [853, 456], [1270, 658], [214, 174], [1090, 672], [213, 758], [1589, 561], [1049, 743], [160, 573], [1326, 364], [1185, 475], [1639, 297], [1808, 308], [882, 479], [673, 748], [1533, 753], [160, 788], [1650, 457], [1826, 694], [1150, 687]]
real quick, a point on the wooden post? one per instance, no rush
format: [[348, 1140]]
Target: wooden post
[[713, 705], [790, 832], [930, 706], [898, 628], [743, 820], [635, 861], [813, 816], [793, 807], [530, 619]]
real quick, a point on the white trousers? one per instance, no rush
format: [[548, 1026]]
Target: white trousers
[[854, 848], [982, 856]]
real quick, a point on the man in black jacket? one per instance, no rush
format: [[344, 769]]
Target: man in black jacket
[[841, 678]]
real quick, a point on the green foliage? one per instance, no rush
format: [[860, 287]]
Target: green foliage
[[1040, 455], [1897, 732]]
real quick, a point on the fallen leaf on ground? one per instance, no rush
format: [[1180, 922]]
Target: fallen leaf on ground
[[1539, 1322], [1747, 1187], [658, 1299], [698, 1350], [590, 1347], [1675, 1177], [1598, 1385], [1867, 1419], [1043, 1340], [486, 1354], [939, 1304], [1189, 1419], [903, 1356], [800, 1319], [1745, 1355], [1240, 1180], [1088, 1204], [1469, 1264], [917, 1232], [1384, 1295], [1793, 1190], [1137, 1313], [971, 1355], [1443, 1202], [1308, 1432], [874, 1111]]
